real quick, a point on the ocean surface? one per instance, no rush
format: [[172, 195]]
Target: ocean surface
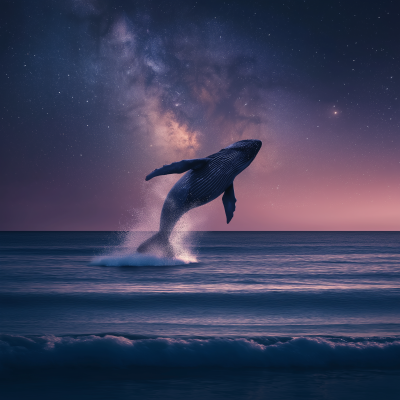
[[249, 315]]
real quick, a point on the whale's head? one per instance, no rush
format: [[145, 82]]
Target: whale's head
[[245, 151], [250, 146]]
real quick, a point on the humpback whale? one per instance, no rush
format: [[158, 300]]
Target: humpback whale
[[205, 180]]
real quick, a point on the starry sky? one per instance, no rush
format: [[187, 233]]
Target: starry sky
[[95, 94]]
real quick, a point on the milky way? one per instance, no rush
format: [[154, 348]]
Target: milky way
[[99, 93]]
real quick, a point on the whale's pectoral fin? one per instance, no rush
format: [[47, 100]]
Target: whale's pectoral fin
[[178, 167], [229, 201]]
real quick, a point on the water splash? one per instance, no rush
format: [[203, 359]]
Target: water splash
[[148, 220], [135, 260]]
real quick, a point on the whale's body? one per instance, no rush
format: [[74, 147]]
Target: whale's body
[[206, 179]]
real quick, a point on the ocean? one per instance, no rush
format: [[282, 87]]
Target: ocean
[[239, 315]]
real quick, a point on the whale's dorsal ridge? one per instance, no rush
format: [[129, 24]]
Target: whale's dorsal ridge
[[179, 167], [229, 200]]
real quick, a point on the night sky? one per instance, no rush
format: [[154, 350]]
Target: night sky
[[95, 94]]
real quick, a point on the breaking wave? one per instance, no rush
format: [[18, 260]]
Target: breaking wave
[[111, 351]]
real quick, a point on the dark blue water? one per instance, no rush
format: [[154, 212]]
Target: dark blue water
[[238, 314]]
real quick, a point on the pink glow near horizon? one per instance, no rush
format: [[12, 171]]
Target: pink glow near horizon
[[301, 194], [95, 121]]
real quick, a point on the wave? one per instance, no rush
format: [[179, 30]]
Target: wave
[[137, 260], [365, 305], [112, 351]]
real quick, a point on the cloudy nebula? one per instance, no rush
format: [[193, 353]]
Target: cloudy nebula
[[98, 93]]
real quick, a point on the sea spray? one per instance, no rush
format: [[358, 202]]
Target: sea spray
[[134, 260], [147, 223]]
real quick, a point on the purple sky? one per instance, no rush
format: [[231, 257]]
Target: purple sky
[[97, 94]]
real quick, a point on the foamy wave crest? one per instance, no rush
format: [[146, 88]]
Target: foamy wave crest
[[19, 352], [136, 260]]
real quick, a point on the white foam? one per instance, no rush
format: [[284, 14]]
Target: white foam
[[137, 260], [147, 224], [117, 351]]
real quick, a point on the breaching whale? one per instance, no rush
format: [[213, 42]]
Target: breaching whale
[[206, 179]]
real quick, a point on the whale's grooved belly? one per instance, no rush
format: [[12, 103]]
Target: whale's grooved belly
[[211, 181]]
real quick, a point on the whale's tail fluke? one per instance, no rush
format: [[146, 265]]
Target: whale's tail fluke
[[158, 245]]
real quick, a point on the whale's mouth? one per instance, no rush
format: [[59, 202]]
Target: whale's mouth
[[246, 145], [250, 148], [256, 145]]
